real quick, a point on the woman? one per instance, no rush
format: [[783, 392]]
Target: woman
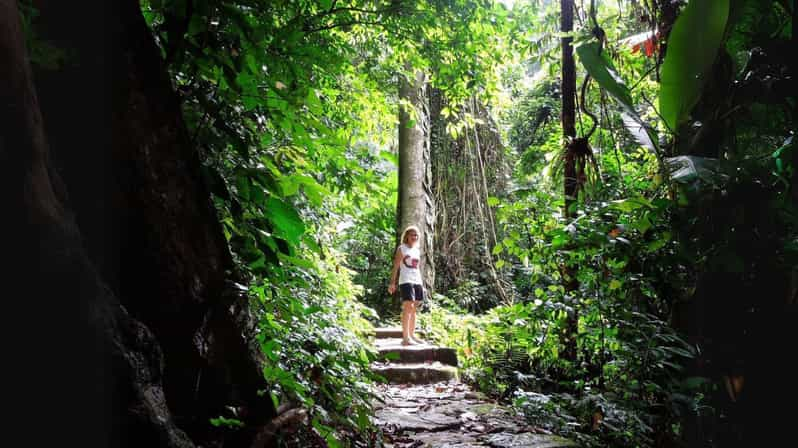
[[406, 264]]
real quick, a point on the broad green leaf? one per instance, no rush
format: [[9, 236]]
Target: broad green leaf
[[643, 223], [659, 243], [242, 186], [289, 185], [286, 220], [559, 239], [630, 204], [314, 191], [275, 399], [296, 261], [311, 244], [313, 103], [268, 349], [692, 47], [250, 101], [196, 25], [312, 309], [389, 156], [602, 70], [498, 249]]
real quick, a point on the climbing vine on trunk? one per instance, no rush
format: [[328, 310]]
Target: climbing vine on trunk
[[469, 171]]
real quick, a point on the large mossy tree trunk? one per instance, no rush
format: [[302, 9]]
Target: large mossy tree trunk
[[88, 374], [416, 205], [152, 238]]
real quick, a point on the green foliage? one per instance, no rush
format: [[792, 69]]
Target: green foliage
[[312, 332], [294, 108], [689, 59], [231, 423], [644, 250], [42, 54], [601, 69]]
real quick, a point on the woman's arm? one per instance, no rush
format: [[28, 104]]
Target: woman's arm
[[397, 258]]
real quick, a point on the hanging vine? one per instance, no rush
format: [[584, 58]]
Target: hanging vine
[[468, 169]]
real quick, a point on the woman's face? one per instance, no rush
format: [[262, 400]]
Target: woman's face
[[411, 238]]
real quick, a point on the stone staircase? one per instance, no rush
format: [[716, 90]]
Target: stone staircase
[[424, 405], [415, 364]]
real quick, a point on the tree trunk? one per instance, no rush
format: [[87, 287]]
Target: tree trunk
[[89, 370], [416, 204], [568, 89], [134, 179], [568, 118]]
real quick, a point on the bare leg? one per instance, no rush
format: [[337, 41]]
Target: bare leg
[[407, 308], [413, 323], [411, 326]]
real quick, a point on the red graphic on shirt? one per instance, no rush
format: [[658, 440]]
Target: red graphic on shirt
[[413, 264]]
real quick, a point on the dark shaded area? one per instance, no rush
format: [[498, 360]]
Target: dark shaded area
[[144, 333]]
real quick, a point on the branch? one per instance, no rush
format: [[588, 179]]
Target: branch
[[648, 72], [338, 25], [583, 108], [333, 10], [337, 10]]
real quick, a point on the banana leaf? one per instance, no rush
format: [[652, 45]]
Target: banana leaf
[[692, 47]]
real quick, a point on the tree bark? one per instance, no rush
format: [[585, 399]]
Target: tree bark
[[568, 89], [568, 119], [416, 204], [150, 229], [87, 361]]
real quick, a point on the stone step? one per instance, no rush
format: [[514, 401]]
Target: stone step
[[393, 332], [392, 350], [416, 373]]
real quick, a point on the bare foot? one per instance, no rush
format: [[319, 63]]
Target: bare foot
[[407, 342], [417, 340]]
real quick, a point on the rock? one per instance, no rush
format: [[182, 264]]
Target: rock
[[448, 440], [393, 332], [425, 405], [416, 373], [476, 395], [410, 421], [525, 440], [392, 349]]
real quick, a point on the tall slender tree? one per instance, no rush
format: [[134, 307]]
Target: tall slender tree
[[570, 182]]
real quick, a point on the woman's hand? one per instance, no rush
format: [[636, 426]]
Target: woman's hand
[[391, 288]]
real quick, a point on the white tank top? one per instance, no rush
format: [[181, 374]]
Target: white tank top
[[408, 267]]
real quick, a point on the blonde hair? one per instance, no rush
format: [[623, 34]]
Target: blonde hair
[[407, 229]]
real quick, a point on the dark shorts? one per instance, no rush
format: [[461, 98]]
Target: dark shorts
[[411, 291]]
